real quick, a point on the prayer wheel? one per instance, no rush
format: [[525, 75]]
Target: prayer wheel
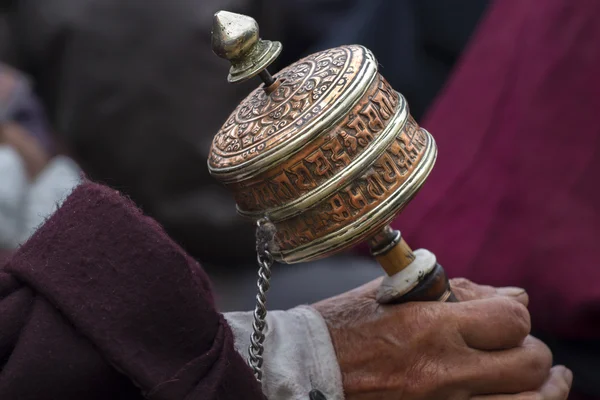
[[328, 152]]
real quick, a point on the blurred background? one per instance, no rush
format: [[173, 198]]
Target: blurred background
[[129, 93]]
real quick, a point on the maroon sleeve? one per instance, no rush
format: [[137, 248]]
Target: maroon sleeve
[[101, 304]]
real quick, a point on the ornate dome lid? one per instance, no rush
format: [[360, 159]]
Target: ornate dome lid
[[313, 94]]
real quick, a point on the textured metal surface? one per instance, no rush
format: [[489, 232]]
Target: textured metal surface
[[265, 261], [324, 164], [236, 38], [363, 207], [314, 93], [328, 152]]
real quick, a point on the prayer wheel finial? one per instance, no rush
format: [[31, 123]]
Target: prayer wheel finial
[[235, 37]]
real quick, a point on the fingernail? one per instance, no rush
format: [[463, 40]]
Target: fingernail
[[510, 291]]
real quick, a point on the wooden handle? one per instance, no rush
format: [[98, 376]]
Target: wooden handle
[[395, 256], [434, 287]]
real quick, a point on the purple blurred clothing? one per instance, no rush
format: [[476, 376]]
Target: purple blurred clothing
[[4, 256], [514, 198], [101, 304]]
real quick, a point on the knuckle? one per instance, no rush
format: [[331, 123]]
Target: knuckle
[[543, 362], [538, 364], [544, 359], [518, 315], [463, 289]]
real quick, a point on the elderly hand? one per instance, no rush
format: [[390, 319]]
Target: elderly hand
[[478, 348]]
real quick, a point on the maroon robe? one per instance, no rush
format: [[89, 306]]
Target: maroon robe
[[514, 198], [101, 304]]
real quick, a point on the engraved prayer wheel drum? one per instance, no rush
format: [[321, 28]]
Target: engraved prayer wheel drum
[[330, 154]]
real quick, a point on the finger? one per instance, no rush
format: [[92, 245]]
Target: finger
[[557, 387], [465, 290], [518, 370], [496, 323]]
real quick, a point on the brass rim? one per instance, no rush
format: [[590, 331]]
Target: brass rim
[[248, 70]]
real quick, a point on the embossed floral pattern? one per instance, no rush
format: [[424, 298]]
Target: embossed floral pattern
[[308, 88]]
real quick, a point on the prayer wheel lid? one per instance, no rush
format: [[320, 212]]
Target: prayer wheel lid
[[307, 98]]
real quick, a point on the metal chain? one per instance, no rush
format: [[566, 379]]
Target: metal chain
[[265, 232], [264, 236]]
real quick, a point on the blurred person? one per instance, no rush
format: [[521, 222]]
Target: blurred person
[[101, 304], [514, 197], [32, 181]]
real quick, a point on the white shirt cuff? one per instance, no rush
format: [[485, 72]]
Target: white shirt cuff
[[25, 205], [299, 355], [13, 190], [47, 193]]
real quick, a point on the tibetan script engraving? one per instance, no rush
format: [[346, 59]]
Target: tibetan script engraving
[[361, 195], [326, 155]]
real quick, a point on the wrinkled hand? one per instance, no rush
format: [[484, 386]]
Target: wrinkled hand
[[478, 348], [31, 151]]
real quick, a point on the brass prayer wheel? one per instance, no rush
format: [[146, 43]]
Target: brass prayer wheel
[[325, 149]]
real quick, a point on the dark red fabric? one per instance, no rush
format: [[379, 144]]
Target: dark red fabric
[[4, 256], [515, 196], [101, 304]]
